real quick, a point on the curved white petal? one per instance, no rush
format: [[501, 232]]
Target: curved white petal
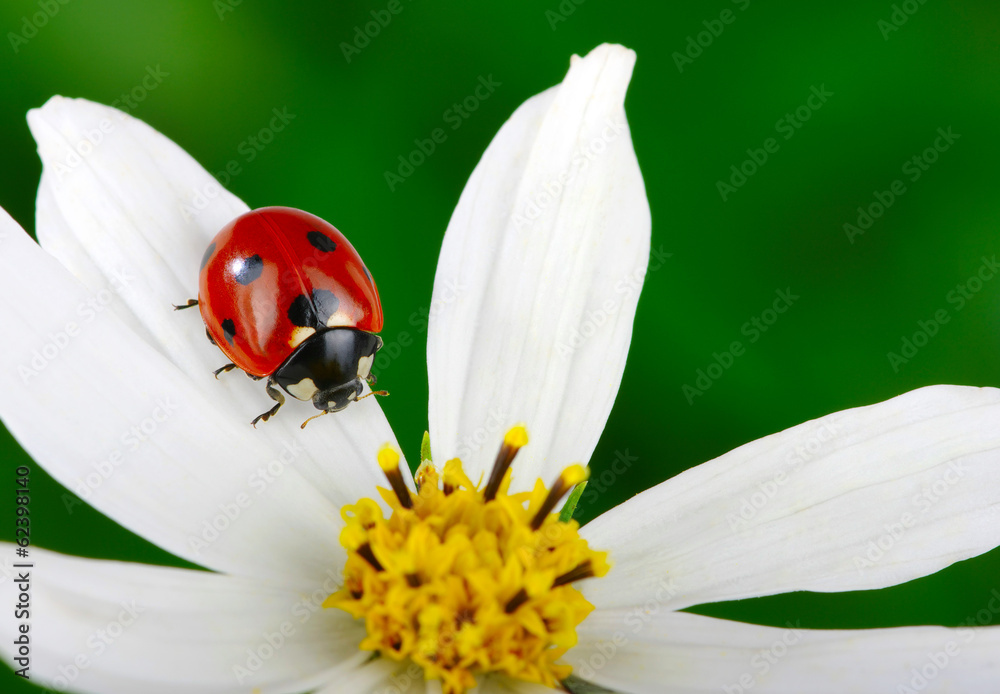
[[113, 627], [113, 420], [375, 677], [130, 214], [860, 499], [538, 278], [679, 653], [122, 206]]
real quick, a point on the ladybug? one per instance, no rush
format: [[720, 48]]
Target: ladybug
[[284, 295]]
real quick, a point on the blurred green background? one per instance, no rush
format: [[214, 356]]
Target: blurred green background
[[225, 65]]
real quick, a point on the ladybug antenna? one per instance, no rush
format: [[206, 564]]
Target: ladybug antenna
[[374, 392]]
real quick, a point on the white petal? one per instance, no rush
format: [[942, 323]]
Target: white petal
[[375, 677], [539, 276], [679, 653], [130, 214], [108, 627], [860, 499], [109, 417], [120, 204]]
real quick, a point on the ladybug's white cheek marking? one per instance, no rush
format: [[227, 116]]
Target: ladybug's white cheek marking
[[340, 320], [303, 390], [299, 335], [365, 366]]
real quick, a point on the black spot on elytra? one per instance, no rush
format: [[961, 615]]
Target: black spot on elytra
[[229, 330], [306, 313], [208, 254], [325, 304], [301, 312], [247, 270], [322, 241]]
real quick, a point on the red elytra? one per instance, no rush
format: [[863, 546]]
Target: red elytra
[[273, 277]]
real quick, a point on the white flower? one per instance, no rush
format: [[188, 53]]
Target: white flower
[[536, 288]]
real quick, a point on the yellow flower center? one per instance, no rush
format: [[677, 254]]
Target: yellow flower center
[[462, 580]]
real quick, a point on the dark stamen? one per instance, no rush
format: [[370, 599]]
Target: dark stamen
[[395, 478], [570, 477], [515, 602], [555, 494], [413, 580], [512, 443], [388, 460], [583, 570], [366, 552]]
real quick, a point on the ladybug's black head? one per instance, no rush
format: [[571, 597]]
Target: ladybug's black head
[[329, 367]]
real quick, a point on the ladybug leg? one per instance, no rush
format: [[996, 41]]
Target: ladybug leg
[[190, 304], [209, 336], [225, 369], [276, 396]]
